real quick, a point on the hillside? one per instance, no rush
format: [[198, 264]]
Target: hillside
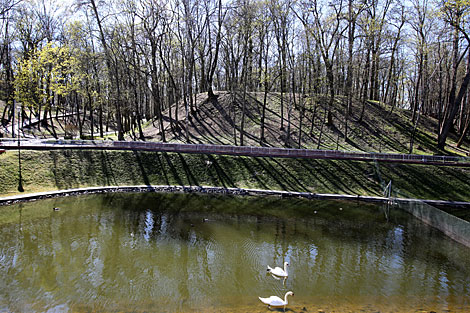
[[217, 121], [381, 129]]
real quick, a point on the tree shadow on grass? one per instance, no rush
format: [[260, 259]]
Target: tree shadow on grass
[[162, 169], [312, 172], [141, 167], [202, 122], [461, 174], [207, 116], [337, 180], [327, 175], [351, 169], [297, 185], [54, 169], [273, 172], [204, 132], [192, 180], [411, 181], [253, 172], [221, 174], [425, 182], [173, 170], [107, 169]]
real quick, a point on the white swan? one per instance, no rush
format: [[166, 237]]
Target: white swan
[[275, 301], [279, 271], [279, 278]]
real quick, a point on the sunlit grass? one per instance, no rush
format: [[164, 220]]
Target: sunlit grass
[[55, 170]]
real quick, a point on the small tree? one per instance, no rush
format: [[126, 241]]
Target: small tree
[[46, 74]]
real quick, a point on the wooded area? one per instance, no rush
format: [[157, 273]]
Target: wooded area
[[119, 63]]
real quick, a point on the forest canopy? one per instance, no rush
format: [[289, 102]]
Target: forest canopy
[[123, 62]]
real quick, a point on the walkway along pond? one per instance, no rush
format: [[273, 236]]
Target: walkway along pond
[[48, 144]]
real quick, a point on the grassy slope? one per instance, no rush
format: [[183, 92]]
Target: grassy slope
[[53, 170], [381, 129]]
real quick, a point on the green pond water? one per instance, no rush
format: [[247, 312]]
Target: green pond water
[[159, 252]]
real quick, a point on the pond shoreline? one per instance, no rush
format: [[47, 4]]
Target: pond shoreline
[[428, 211], [217, 190]]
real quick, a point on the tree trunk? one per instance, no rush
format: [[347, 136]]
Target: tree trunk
[[114, 79], [157, 101], [454, 103], [351, 31], [465, 131], [210, 76], [365, 85]]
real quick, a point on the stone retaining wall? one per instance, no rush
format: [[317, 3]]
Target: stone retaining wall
[[186, 189]]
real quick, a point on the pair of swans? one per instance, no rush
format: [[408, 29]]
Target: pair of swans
[[275, 301]]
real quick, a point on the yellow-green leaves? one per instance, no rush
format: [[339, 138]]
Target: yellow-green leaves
[[26, 82], [45, 74]]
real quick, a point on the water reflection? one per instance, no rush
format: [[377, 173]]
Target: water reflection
[[148, 225], [185, 252]]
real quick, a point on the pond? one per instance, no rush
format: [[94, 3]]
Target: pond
[[157, 252]]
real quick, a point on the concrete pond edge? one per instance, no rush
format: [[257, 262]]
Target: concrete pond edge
[[215, 190], [185, 189]]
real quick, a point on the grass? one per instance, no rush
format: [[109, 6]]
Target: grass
[[54, 170], [381, 129]]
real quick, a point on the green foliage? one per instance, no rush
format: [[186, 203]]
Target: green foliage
[[26, 82], [46, 73]]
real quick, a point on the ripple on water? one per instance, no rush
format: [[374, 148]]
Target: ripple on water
[[251, 254], [131, 259]]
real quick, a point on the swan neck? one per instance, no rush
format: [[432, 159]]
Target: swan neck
[[285, 268]]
